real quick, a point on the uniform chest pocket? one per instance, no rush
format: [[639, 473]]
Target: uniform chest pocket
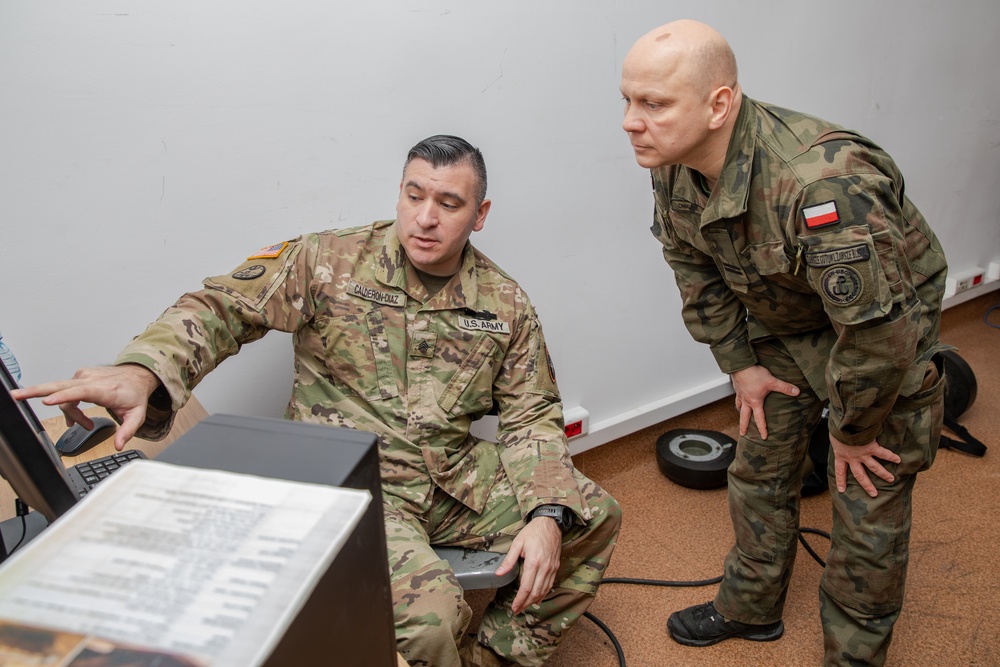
[[743, 269], [357, 353], [470, 389], [768, 258]]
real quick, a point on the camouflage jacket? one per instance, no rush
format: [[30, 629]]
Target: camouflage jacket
[[374, 351], [807, 236]]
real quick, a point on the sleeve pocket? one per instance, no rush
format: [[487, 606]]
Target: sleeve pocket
[[844, 269]]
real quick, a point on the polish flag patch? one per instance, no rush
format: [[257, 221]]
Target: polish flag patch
[[821, 215]]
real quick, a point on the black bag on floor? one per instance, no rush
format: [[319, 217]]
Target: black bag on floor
[[959, 395]]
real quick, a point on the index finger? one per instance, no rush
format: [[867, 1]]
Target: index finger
[[39, 390], [56, 393]]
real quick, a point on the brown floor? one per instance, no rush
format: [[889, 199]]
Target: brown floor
[[952, 611]]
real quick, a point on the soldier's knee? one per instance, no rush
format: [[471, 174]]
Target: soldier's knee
[[432, 623], [606, 518], [429, 605]]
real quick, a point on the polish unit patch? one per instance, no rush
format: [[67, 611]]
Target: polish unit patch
[[821, 215], [842, 285]]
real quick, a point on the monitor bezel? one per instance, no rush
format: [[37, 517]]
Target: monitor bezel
[[28, 460]]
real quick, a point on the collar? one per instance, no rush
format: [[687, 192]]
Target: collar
[[731, 192], [394, 269]]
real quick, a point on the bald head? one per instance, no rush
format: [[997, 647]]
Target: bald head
[[691, 50], [681, 97]]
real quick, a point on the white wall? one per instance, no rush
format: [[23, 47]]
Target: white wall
[[147, 144]]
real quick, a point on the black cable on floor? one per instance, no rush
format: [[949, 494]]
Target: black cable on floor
[[802, 539], [657, 582], [682, 584], [611, 636], [986, 317]]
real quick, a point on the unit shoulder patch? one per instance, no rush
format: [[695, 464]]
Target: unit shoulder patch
[[842, 285], [250, 272]]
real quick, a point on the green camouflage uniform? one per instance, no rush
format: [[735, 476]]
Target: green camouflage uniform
[[374, 351], [808, 259]]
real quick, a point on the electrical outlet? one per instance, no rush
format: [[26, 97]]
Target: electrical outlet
[[993, 271], [967, 280], [577, 421]]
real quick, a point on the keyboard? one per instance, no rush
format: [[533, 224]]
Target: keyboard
[[85, 476]]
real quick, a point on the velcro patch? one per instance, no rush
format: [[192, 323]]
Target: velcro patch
[[422, 344], [821, 215], [490, 326], [397, 299], [842, 285], [270, 252], [854, 253]]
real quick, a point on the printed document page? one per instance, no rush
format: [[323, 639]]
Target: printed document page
[[172, 566]]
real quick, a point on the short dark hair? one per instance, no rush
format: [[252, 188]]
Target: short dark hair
[[444, 150]]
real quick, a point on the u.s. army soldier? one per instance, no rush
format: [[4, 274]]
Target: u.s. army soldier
[[814, 280], [403, 329]]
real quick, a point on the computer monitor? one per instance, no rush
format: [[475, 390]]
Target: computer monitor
[[28, 460]]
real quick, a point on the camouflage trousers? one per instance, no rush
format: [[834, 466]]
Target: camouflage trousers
[[861, 591], [431, 613]]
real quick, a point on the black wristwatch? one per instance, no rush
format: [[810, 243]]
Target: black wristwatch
[[562, 515]]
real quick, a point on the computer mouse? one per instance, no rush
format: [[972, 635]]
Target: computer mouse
[[78, 439]]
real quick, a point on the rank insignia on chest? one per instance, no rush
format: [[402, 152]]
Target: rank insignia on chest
[[821, 215], [270, 252], [422, 344]]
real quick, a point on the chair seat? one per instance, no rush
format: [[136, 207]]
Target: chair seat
[[476, 569]]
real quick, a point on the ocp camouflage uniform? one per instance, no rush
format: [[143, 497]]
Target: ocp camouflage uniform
[[374, 351], [809, 260]]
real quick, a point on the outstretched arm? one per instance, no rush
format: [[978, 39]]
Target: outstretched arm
[[123, 390]]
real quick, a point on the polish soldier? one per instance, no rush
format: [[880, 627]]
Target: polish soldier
[[815, 281], [403, 329]]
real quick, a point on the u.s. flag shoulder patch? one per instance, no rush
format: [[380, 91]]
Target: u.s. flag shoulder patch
[[821, 215], [270, 252]]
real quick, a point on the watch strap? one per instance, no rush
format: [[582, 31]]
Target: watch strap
[[563, 515]]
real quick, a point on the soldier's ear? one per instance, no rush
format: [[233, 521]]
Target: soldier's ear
[[722, 100], [484, 209]]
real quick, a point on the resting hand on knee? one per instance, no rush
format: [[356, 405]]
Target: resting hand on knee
[[860, 459], [540, 545], [752, 385]]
